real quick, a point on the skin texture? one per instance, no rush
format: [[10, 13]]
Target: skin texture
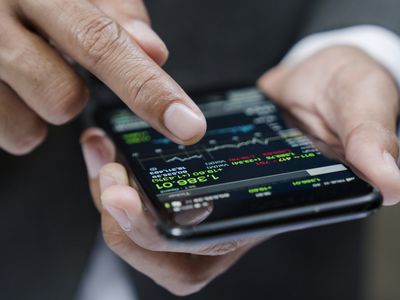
[[180, 269], [38, 85], [347, 100], [339, 95]]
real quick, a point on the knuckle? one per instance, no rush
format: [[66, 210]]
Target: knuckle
[[356, 135], [24, 59], [365, 72], [147, 93], [97, 37], [195, 279], [187, 286], [350, 144], [65, 94], [67, 98], [192, 277], [361, 135], [113, 238], [368, 76], [151, 244], [221, 248], [181, 291]]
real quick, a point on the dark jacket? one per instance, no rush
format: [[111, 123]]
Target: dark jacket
[[47, 220]]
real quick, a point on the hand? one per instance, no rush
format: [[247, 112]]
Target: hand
[[130, 231], [350, 102], [112, 39]]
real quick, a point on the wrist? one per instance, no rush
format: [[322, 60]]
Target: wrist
[[379, 43]]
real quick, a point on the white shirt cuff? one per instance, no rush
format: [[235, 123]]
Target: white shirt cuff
[[381, 44]]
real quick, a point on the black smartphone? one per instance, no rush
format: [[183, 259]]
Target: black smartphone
[[250, 175]]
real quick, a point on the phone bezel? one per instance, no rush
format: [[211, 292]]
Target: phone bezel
[[274, 222]]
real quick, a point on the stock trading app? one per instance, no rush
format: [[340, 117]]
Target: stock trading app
[[247, 153]]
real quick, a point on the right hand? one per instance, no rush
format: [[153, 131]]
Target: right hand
[[112, 40]]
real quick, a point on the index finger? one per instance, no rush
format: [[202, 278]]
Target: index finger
[[101, 45]]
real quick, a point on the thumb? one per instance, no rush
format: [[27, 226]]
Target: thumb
[[373, 150], [363, 111], [133, 17], [358, 105]]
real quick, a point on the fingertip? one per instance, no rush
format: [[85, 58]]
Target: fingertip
[[200, 134], [91, 132], [97, 150], [390, 200], [391, 195], [187, 126], [123, 197], [372, 152], [162, 58], [27, 144]]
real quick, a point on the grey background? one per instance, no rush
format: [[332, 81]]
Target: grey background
[[47, 220]]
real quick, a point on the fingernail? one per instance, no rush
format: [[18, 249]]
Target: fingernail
[[390, 200], [391, 164], [183, 122], [392, 167], [144, 33], [120, 216], [94, 158]]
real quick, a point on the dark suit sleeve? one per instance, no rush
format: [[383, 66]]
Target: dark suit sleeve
[[333, 14]]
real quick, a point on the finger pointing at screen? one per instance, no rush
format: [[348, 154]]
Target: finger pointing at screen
[[125, 55]]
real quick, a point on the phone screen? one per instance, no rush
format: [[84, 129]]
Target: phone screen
[[249, 162]]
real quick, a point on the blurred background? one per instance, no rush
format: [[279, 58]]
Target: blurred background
[[49, 225], [382, 255]]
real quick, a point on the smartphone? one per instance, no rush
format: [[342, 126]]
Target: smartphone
[[251, 175]]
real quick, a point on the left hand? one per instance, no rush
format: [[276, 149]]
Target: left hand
[[346, 99], [130, 231]]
